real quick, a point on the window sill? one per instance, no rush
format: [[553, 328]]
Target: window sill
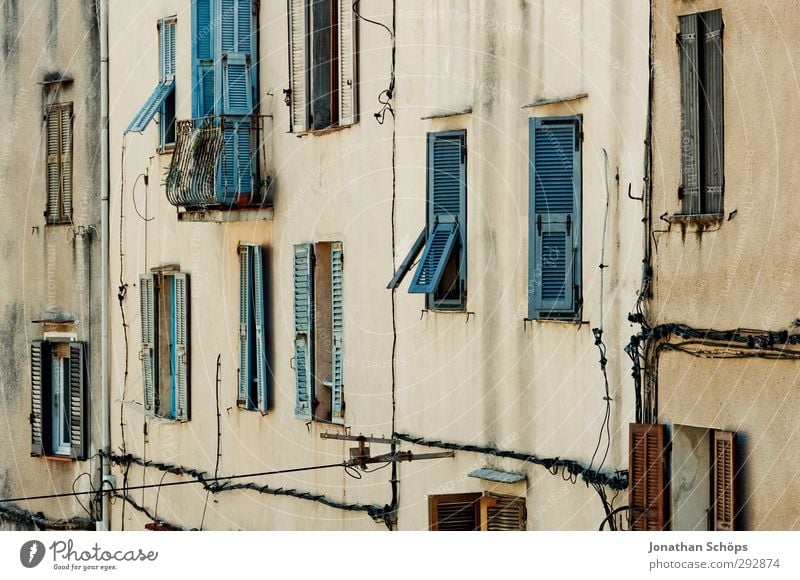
[[167, 149], [700, 219], [59, 458], [219, 216], [321, 132], [58, 222]]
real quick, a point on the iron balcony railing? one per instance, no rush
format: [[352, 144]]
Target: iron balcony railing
[[215, 163]]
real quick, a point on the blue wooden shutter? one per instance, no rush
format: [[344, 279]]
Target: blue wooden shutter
[[713, 118], [147, 314], [245, 323], [303, 330], [40, 397], [78, 401], [337, 317], [151, 106], [181, 363], [203, 44], [690, 113], [298, 65], [259, 312], [166, 84], [555, 201]]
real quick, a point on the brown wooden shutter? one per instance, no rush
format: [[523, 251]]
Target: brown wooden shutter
[[503, 513], [456, 512], [723, 472], [647, 477]]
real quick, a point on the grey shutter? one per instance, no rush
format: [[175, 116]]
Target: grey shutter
[[690, 113], [40, 397], [65, 120], [337, 316], [554, 217], [259, 313], [59, 162], [303, 330], [245, 310], [347, 64], [147, 314], [298, 71], [78, 401], [181, 323], [713, 148]]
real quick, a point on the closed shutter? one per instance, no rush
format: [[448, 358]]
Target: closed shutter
[[337, 317], [458, 512], [554, 229], [688, 44], [303, 330], [502, 513], [245, 319], [713, 118], [167, 48], [203, 43], [235, 164], [40, 397], [647, 477], [147, 314], [59, 162], [298, 70], [259, 313], [65, 120], [78, 401], [723, 480], [181, 325], [347, 64]]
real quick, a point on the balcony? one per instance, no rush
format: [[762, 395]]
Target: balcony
[[214, 174]]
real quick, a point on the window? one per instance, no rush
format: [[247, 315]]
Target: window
[[253, 366], [322, 64], [465, 512], [442, 271], [165, 343], [59, 399], [162, 99], [554, 229], [702, 150], [319, 331], [59, 163]]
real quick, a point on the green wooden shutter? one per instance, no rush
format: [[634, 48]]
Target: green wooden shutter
[[337, 317], [147, 314], [713, 117], [245, 321], [78, 401], [303, 330], [690, 113], [298, 65], [259, 312], [554, 217], [347, 64], [181, 325], [40, 397]]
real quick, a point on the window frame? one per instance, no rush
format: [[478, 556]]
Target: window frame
[[60, 443], [253, 394]]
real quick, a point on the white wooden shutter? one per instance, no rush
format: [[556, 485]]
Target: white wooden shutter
[[337, 317], [181, 323], [347, 64], [298, 70], [78, 401], [147, 307]]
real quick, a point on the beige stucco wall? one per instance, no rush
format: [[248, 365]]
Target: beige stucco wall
[[488, 379], [48, 270], [742, 273]]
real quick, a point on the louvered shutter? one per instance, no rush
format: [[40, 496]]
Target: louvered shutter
[[203, 43], [502, 513], [40, 397], [259, 313], [337, 316], [298, 69], [245, 324], [181, 325], [303, 330], [78, 401], [554, 205], [235, 165], [65, 120], [447, 199], [348, 96], [458, 512], [151, 106], [723, 480], [713, 119], [147, 314], [167, 48], [647, 477], [690, 113], [59, 162]]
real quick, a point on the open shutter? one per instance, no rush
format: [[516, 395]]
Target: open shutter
[[147, 314], [245, 310], [713, 119], [408, 261], [347, 64], [259, 313], [167, 48], [303, 330], [181, 325], [647, 477], [690, 113], [65, 145], [337, 316], [298, 71], [457, 512], [78, 401], [40, 397], [151, 106], [723, 472], [437, 252], [502, 513], [554, 228]]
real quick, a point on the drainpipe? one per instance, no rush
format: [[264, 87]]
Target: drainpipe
[[107, 480]]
